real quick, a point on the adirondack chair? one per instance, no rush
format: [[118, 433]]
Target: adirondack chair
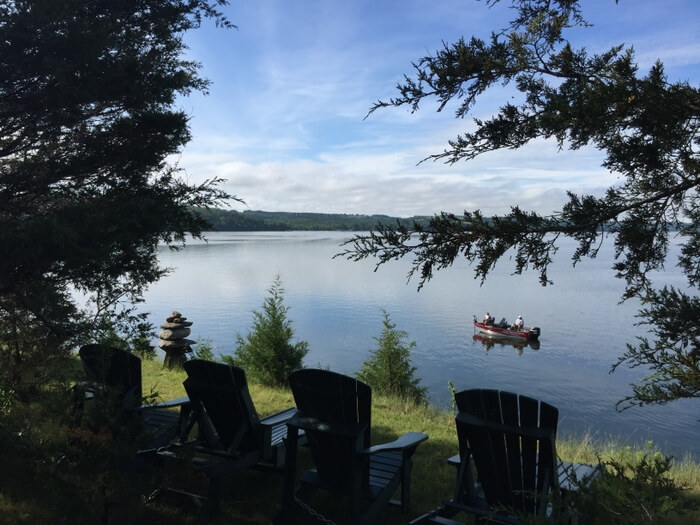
[[510, 441], [114, 375], [231, 437], [334, 411]]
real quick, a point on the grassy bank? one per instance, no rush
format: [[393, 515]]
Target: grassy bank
[[48, 475], [433, 480]]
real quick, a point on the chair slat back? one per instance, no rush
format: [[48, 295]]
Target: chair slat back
[[512, 441], [334, 398], [222, 391], [115, 369]]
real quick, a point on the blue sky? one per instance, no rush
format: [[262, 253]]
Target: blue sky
[[284, 123]]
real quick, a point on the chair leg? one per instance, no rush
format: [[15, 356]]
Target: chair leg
[[356, 495], [288, 510], [406, 484], [76, 407], [214, 496]]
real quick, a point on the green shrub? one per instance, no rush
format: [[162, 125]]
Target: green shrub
[[634, 488], [388, 369], [267, 354], [204, 349]]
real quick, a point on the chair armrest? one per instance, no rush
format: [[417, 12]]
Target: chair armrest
[[336, 429], [279, 417], [405, 442]]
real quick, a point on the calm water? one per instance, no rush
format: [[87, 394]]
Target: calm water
[[336, 306]]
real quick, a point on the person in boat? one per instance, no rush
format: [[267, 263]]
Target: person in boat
[[487, 319], [518, 324]]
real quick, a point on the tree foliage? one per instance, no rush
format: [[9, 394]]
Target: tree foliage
[[87, 124], [267, 353], [647, 128], [254, 220], [388, 369]]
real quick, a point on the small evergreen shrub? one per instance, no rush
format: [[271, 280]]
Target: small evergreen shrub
[[142, 346], [204, 349], [388, 369], [267, 354]]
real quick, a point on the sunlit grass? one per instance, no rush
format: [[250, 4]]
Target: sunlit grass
[[433, 479], [36, 489]]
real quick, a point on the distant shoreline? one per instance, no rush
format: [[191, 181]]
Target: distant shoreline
[[277, 221], [254, 220]]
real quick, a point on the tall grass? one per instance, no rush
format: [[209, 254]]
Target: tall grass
[[433, 479], [40, 482]]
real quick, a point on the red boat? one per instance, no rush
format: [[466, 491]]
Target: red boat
[[503, 329]]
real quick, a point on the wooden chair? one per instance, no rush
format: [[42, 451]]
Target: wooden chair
[[334, 412], [510, 441], [113, 376], [231, 436]]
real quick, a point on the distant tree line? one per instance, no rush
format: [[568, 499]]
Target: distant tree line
[[249, 220]]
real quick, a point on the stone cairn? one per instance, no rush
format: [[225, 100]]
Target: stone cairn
[[172, 340]]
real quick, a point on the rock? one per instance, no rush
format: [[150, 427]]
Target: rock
[[175, 359], [180, 343], [174, 334], [175, 326], [173, 342]]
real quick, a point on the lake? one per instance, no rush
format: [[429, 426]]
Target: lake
[[336, 305]]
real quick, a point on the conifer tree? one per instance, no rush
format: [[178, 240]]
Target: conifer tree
[[87, 124], [388, 369], [267, 354]]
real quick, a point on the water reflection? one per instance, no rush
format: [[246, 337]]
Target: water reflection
[[490, 342], [336, 305]]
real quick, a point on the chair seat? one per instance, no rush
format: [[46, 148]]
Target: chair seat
[[275, 430], [163, 425], [566, 471], [384, 467], [383, 470]]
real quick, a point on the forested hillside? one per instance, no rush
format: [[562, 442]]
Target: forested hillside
[[231, 220]]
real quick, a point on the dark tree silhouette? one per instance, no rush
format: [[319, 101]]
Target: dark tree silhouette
[[87, 123]]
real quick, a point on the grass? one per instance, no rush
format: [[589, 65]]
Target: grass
[[47, 475]]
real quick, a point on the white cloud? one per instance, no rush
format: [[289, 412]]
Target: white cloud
[[351, 182], [284, 120]]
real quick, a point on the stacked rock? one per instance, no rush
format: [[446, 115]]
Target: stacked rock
[[173, 340]]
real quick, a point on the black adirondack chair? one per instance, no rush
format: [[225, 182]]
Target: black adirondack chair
[[510, 441], [231, 435], [114, 375], [334, 412]]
